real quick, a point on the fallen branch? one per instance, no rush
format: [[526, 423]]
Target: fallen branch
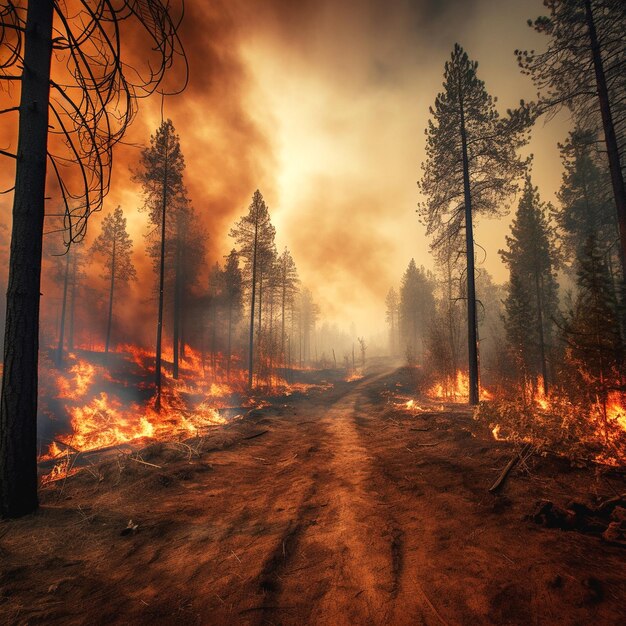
[[509, 466]]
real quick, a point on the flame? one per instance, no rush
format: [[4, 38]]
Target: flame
[[356, 375], [410, 404], [109, 405], [615, 409], [456, 391], [76, 386]]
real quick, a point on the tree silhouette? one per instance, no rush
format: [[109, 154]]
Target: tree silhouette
[[90, 113], [392, 304], [288, 284], [592, 335], [531, 261], [254, 235], [518, 319], [232, 281], [471, 167], [586, 202], [115, 246], [584, 69], [416, 308], [161, 176]]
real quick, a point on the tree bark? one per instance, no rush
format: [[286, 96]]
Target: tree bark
[[159, 340], [472, 339], [18, 403], [617, 179], [251, 342], [542, 345], [177, 290]]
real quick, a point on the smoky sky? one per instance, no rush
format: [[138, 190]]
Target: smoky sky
[[322, 105]]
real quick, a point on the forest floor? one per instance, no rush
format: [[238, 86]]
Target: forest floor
[[334, 507]]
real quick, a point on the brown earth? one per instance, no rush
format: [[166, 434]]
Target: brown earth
[[338, 507]]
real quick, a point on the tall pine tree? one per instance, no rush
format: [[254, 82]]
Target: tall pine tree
[[254, 235], [115, 246], [471, 167], [583, 68], [531, 262], [161, 175]]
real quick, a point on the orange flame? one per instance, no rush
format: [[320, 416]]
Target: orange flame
[[455, 391]]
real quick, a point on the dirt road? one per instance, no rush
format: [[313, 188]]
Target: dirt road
[[340, 507]]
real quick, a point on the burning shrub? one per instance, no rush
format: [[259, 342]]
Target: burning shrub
[[576, 430]]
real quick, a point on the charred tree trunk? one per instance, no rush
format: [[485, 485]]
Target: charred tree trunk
[[18, 404], [159, 339], [177, 298], [472, 338], [610, 138], [542, 344], [252, 304], [259, 340], [107, 342], [61, 344]]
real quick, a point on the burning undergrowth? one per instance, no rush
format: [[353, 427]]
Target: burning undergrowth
[[582, 432], [97, 401]]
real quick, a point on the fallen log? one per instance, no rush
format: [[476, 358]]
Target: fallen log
[[509, 466]]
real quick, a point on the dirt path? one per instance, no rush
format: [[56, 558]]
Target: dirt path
[[335, 508]]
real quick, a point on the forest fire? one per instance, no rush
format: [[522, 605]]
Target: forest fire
[[97, 403], [456, 390], [575, 428], [101, 411]]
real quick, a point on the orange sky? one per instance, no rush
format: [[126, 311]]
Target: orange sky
[[323, 105]]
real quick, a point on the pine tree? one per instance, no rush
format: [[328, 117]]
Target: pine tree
[[585, 197], [91, 109], [530, 259], [392, 304], [584, 69], [232, 281], [471, 168], [288, 285], [594, 347], [518, 319], [416, 308], [308, 312], [115, 246], [161, 175], [254, 235], [69, 272], [215, 299]]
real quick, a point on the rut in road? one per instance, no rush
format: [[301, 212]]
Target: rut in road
[[343, 555]]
